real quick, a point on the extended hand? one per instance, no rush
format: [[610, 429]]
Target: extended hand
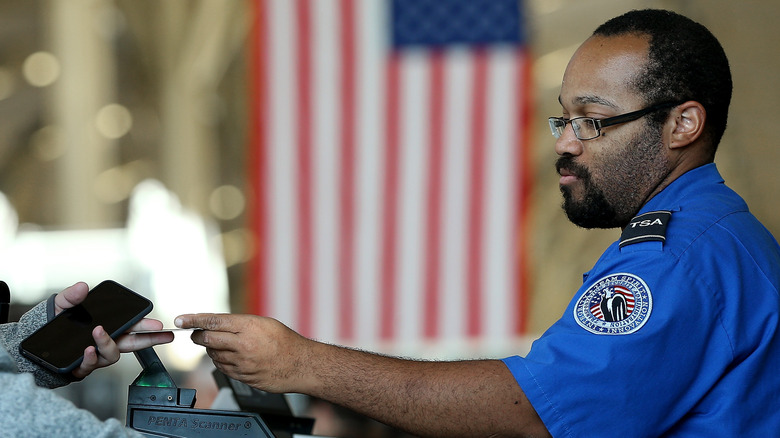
[[261, 352]]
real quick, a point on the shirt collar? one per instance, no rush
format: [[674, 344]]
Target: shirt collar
[[689, 183]]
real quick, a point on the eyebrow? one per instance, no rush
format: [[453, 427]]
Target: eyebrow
[[584, 100]]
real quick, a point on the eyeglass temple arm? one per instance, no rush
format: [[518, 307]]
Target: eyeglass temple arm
[[628, 117]]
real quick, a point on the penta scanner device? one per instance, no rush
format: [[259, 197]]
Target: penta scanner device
[[156, 407]]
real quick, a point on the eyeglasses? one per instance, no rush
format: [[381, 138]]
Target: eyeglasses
[[588, 128]]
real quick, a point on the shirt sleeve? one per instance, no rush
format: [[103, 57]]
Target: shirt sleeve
[[12, 334], [31, 411], [628, 383]]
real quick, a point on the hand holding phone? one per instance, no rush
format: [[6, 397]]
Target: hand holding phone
[[59, 345]]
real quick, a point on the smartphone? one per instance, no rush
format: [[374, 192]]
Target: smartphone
[[59, 345]]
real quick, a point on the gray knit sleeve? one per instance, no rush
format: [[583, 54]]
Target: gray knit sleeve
[[27, 410], [12, 334]]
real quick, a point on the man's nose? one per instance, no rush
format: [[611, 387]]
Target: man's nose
[[568, 143]]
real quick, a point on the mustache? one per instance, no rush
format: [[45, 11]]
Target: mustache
[[567, 162]]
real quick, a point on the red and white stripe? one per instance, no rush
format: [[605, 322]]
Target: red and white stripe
[[390, 188], [630, 302]]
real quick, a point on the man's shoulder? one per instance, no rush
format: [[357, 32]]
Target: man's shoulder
[[705, 206], [718, 212]]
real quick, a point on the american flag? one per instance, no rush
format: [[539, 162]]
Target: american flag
[[389, 164], [595, 308]]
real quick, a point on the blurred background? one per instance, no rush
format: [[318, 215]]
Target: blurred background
[[149, 142]]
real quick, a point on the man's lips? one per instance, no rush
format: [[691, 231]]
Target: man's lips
[[567, 177], [569, 170]]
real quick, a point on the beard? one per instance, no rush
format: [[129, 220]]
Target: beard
[[593, 210], [618, 184]]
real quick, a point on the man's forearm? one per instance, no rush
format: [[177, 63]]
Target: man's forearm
[[466, 398]]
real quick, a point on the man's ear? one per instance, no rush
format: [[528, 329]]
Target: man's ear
[[686, 124]]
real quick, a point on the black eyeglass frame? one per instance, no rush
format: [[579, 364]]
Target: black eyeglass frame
[[609, 121]]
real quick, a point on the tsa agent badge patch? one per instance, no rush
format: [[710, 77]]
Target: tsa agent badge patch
[[618, 304]]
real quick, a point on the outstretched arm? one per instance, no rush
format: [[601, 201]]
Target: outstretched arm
[[465, 398]]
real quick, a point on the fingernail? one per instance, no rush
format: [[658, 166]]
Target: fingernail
[[178, 322]]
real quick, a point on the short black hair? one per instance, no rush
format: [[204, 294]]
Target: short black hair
[[686, 62]]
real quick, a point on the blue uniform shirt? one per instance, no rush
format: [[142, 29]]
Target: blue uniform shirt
[[669, 337]]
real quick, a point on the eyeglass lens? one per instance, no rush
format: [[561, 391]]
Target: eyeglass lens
[[584, 127]]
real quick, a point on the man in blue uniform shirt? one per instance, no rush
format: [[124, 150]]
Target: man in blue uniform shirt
[[674, 331]]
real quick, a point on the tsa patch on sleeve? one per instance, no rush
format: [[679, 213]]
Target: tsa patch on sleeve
[[617, 304], [650, 226]]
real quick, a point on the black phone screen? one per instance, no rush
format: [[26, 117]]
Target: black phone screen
[[59, 345]]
